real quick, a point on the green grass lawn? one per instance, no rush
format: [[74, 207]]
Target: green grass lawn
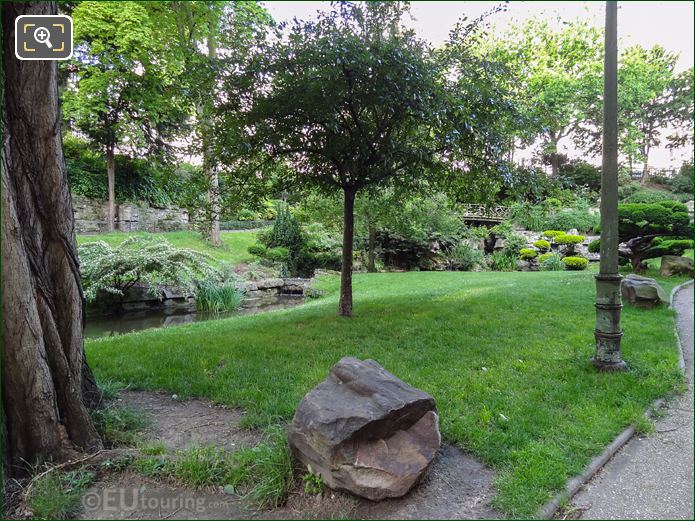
[[506, 356], [233, 249]]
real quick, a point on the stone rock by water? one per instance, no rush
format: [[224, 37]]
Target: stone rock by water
[[642, 291], [674, 265], [366, 431]]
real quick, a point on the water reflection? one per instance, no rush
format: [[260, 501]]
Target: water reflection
[[111, 325]]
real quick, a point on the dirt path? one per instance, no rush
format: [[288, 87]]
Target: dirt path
[[457, 487], [652, 476]]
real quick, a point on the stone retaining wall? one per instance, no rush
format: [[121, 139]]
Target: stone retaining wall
[[90, 217]]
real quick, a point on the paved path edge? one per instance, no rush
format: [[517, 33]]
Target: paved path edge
[[573, 485]]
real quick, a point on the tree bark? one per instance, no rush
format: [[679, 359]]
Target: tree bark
[[554, 159], [345, 304], [111, 177], [45, 378], [371, 254], [645, 168], [211, 174]]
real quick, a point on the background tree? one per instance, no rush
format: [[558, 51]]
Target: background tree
[[121, 92], [45, 378], [555, 73], [353, 100], [653, 99], [213, 40]]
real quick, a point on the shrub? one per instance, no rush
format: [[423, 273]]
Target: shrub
[[258, 250], [464, 256], [278, 254], [550, 262], [551, 234], [684, 179], [152, 261], [528, 253], [581, 173], [648, 196], [513, 242], [580, 218], [542, 245], [285, 233], [575, 263], [569, 239], [595, 246]]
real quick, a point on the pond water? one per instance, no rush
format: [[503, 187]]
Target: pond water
[[110, 325]]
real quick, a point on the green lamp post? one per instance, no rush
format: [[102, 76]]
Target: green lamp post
[[608, 303]]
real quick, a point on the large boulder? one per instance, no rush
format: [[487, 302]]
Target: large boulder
[[365, 431], [674, 265], [642, 291]]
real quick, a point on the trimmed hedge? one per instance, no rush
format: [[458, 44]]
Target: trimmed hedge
[[527, 253], [569, 239], [551, 234], [542, 245], [575, 263]]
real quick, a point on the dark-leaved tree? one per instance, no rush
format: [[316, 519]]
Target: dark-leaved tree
[[353, 100]]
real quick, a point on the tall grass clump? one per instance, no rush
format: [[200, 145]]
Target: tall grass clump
[[217, 298]]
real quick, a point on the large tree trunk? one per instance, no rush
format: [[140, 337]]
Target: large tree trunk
[[45, 378], [345, 304], [111, 177]]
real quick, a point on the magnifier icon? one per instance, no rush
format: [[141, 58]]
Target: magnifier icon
[[43, 35]]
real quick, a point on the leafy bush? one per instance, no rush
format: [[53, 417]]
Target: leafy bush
[[278, 254], [542, 245], [580, 218], [550, 262], [595, 246], [575, 263], [212, 297], [684, 179], [648, 196], [528, 253], [581, 173], [464, 256], [155, 262], [551, 215], [551, 234], [258, 250]]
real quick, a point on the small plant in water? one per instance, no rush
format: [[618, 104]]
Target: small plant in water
[[313, 483], [217, 298]]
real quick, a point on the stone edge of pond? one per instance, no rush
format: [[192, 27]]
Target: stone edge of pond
[[548, 510]]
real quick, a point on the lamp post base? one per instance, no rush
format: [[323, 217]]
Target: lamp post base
[[609, 367]]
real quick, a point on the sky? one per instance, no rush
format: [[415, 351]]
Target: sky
[[669, 24]]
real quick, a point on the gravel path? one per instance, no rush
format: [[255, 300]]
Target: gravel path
[[652, 476]]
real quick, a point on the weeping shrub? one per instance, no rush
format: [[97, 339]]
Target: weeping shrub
[[138, 260]]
